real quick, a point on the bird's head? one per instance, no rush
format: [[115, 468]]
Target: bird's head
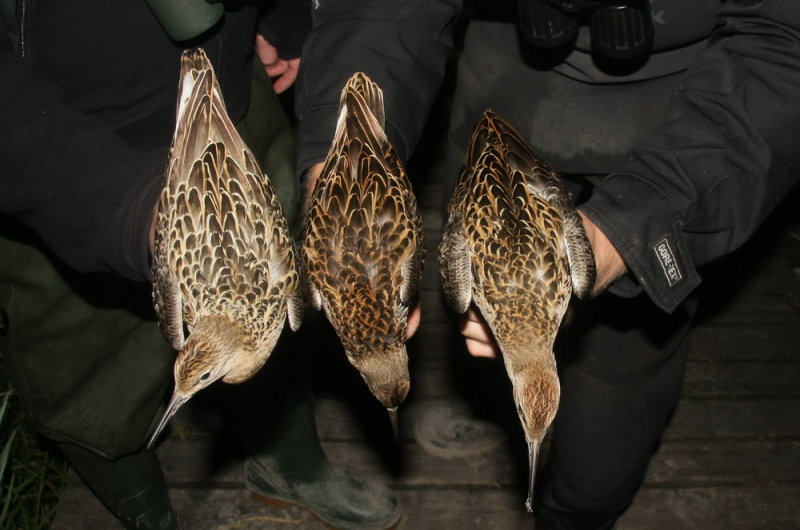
[[536, 392], [216, 349], [386, 373]]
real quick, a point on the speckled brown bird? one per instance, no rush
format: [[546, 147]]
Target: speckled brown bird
[[514, 246], [363, 248], [224, 264]]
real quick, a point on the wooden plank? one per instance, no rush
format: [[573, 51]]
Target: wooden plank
[[770, 379], [757, 308], [715, 341], [197, 509], [697, 463], [710, 508], [79, 509], [714, 508], [693, 418], [439, 379], [771, 341], [203, 509], [189, 463], [464, 510], [678, 463], [728, 338], [720, 418]]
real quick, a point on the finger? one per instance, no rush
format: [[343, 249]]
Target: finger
[[267, 53], [472, 316], [413, 321], [284, 81], [277, 68], [476, 330], [479, 339], [281, 84], [289, 76], [481, 349]]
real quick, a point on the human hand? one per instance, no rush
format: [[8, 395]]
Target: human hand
[[478, 336], [413, 321], [608, 261], [282, 70]]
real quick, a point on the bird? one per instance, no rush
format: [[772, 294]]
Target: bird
[[225, 267], [514, 247], [363, 245]]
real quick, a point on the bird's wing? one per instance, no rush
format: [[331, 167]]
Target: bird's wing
[[455, 265], [168, 305], [579, 252], [546, 183], [230, 237]]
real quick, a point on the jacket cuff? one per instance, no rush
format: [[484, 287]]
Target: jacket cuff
[[286, 26], [644, 227]]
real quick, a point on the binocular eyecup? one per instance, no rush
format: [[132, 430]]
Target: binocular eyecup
[[618, 30]]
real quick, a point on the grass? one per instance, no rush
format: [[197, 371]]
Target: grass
[[31, 475]]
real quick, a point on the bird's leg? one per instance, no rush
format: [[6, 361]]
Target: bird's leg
[[533, 456]]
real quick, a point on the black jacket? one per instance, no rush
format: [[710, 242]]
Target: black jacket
[[724, 157], [88, 92], [402, 45], [694, 191]]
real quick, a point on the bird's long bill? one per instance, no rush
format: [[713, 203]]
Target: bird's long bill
[[173, 406], [395, 424], [533, 456]]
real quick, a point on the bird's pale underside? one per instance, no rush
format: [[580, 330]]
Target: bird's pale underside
[[514, 246], [363, 247], [224, 265]]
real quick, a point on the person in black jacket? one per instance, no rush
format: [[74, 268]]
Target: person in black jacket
[[686, 141], [89, 94]]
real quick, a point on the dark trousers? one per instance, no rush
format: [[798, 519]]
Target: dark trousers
[[621, 366]]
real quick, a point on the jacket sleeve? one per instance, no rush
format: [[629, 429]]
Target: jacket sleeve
[[71, 178], [402, 46], [286, 26], [725, 156]]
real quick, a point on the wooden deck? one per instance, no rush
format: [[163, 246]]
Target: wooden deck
[[730, 458]]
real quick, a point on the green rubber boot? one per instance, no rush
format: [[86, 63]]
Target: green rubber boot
[[132, 488], [274, 416]]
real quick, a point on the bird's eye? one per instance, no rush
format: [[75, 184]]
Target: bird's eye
[[205, 376]]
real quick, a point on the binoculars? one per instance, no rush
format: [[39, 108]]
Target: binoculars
[[619, 29]]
